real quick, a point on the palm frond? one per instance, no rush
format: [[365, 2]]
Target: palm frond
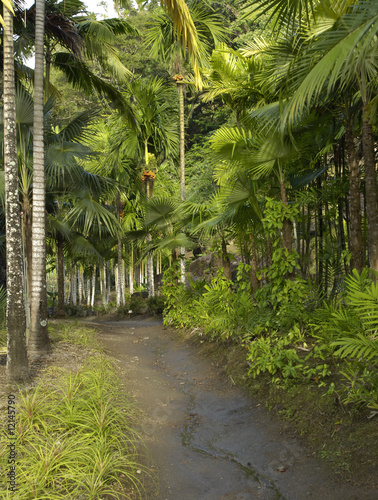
[[359, 347], [86, 212], [186, 30]]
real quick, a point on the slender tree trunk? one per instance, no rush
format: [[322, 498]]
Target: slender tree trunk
[[103, 280], [80, 286], [93, 287], [123, 284], [225, 259], [150, 274], [355, 242], [108, 276], [120, 272], [371, 189], [180, 89], [17, 360], [27, 240], [150, 258], [131, 271], [88, 291], [60, 270], [320, 232], [287, 227], [73, 286], [255, 283], [39, 340]]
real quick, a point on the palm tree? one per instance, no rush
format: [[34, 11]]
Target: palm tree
[[166, 42], [17, 361], [38, 339], [339, 53], [153, 137]]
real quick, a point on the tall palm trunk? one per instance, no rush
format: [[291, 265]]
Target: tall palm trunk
[[131, 271], [39, 340], [226, 263], [17, 360], [26, 222], [60, 271], [356, 241], [371, 189], [79, 286], [150, 260], [120, 282], [93, 287], [180, 89], [73, 300]]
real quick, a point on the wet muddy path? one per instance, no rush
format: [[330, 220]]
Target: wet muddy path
[[208, 439]]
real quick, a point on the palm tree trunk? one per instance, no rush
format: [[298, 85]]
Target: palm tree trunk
[[371, 189], [79, 286], [120, 272], [108, 275], [60, 270], [39, 339], [150, 275], [150, 259], [123, 283], [17, 360], [27, 239], [103, 284], [287, 227], [73, 300], [180, 89], [88, 292], [131, 271], [225, 259], [93, 287], [355, 245]]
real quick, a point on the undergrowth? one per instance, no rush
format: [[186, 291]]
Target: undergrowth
[[75, 433], [287, 332]]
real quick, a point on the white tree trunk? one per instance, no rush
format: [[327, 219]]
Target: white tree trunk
[[93, 287], [122, 282], [80, 285], [182, 264], [131, 272], [73, 286], [17, 360], [150, 275], [103, 280], [88, 291], [39, 340], [118, 286], [108, 276]]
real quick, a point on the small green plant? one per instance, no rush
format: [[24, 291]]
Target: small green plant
[[76, 437]]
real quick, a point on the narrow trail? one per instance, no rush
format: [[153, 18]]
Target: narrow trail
[[208, 439]]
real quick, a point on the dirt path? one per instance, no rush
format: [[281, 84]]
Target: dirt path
[[208, 439]]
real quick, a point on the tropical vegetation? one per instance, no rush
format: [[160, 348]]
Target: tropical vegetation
[[247, 134]]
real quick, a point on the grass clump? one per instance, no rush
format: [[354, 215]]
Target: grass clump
[[75, 438], [75, 333]]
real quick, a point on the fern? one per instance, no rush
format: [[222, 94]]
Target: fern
[[363, 296]]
